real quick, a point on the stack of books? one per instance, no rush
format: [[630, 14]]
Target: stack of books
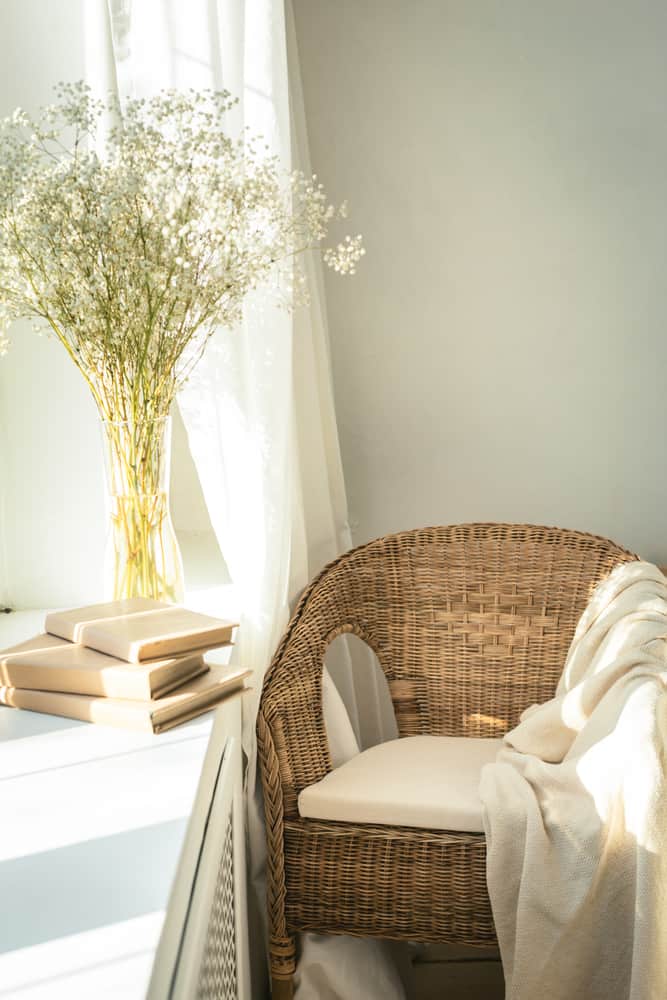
[[136, 663]]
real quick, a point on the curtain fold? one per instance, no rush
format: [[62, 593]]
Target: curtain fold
[[258, 408], [356, 674], [4, 562]]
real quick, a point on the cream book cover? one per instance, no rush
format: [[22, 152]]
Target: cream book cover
[[48, 663], [192, 699], [68, 624], [162, 631]]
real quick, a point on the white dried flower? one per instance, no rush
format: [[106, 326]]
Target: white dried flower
[[135, 258], [344, 257]]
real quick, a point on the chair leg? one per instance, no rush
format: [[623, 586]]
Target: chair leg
[[281, 989], [282, 953]]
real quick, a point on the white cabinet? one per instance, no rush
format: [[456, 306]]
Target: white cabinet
[[203, 951], [122, 870]]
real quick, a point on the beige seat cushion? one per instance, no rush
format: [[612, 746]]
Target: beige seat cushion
[[429, 782]]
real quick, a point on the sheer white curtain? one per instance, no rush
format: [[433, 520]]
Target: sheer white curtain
[[259, 407], [4, 571]]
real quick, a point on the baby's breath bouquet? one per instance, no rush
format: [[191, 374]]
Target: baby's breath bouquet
[[133, 258]]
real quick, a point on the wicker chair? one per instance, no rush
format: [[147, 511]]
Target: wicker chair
[[470, 623]]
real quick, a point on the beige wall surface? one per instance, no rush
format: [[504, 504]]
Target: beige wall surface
[[502, 352]]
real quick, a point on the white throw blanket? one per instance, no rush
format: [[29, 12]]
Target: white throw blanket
[[576, 811]]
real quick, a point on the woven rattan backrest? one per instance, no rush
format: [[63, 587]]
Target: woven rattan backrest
[[471, 623]]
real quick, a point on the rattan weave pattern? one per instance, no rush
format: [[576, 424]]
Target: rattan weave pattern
[[218, 974], [396, 898], [470, 623]]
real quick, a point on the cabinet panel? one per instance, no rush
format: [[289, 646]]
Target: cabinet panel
[[212, 961], [203, 954]]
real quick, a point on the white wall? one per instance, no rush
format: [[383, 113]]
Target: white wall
[[502, 352], [51, 474], [52, 477]]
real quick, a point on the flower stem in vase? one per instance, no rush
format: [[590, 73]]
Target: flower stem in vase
[[142, 557]]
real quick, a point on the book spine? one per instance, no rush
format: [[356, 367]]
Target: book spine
[[73, 706], [91, 683], [139, 651]]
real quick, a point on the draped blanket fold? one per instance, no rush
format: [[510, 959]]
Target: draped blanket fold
[[576, 811]]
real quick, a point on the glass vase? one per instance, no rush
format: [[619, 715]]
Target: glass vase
[[142, 555]]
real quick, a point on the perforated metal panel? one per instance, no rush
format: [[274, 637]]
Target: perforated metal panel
[[208, 948], [218, 975]]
